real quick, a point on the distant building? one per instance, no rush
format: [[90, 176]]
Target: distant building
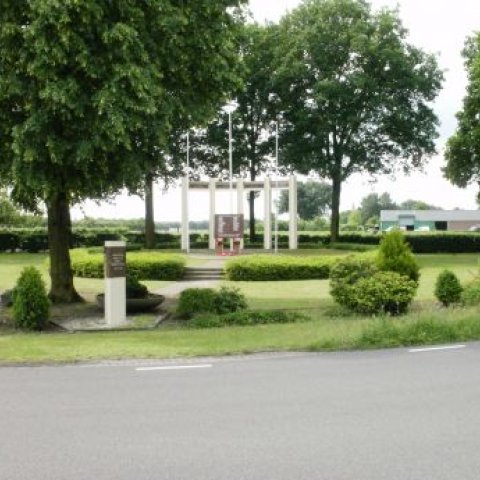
[[430, 220]]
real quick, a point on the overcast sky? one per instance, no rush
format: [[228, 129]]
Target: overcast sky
[[437, 26]]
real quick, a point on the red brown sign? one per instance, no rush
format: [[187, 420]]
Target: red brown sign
[[229, 226]]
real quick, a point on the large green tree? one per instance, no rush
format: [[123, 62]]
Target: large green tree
[[253, 129], [373, 204], [314, 199], [87, 94], [463, 149], [355, 95]]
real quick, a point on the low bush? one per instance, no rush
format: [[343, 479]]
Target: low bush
[[135, 289], [207, 300], [471, 293], [395, 255], [250, 318], [447, 288], [229, 300], [196, 300], [144, 265], [281, 267], [345, 273], [384, 292], [31, 306]]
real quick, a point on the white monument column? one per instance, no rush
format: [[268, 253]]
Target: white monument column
[[292, 210], [115, 300], [185, 229], [267, 222], [240, 202], [211, 218]]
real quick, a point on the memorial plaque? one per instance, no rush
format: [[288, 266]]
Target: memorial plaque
[[115, 262], [229, 226]]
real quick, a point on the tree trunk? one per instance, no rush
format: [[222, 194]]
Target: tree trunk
[[335, 221], [150, 240], [59, 235]]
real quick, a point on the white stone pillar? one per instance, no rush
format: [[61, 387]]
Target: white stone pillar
[[240, 202], [267, 222], [292, 210], [211, 218], [115, 298], [185, 220]]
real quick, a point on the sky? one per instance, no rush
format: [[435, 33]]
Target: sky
[[436, 26]]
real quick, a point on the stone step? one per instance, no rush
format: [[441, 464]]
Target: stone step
[[203, 269]]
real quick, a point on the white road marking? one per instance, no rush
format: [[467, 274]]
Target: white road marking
[[173, 367], [431, 349]]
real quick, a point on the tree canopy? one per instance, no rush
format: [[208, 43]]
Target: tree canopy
[[253, 130], [88, 91], [463, 149], [354, 94], [314, 199]]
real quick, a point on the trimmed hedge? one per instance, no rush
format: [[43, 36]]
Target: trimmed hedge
[[143, 265], [269, 267], [36, 240]]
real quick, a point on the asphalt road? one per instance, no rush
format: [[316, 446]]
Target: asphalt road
[[341, 416]]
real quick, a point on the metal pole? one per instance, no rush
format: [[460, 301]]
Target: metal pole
[[188, 151], [188, 188], [230, 158], [275, 196], [230, 165]]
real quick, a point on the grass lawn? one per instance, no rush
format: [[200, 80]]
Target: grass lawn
[[316, 335], [328, 328]]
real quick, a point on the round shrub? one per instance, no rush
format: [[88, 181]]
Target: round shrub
[[207, 300], [384, 292], [395, 255], [447, 288], [31, 306], [196, 300], [345, 274], [228, 300], [471, 293]]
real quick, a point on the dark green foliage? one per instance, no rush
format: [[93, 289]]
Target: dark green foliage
[[6, 297], [207, 300], [135, 289], [9, 241], [144, 265], [471, 293], [90, 92], [269, 267], [447, 288], [395, 255], [261, 317], [463, 160], [31, 305], [196, 300], [229, 300], [372, 204], [354, 95], [384, 292], [344, 274]]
